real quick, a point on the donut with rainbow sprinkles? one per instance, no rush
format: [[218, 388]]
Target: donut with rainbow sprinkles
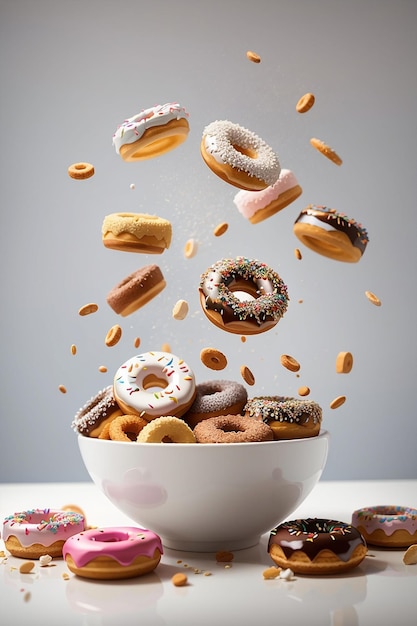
[[387, 525]]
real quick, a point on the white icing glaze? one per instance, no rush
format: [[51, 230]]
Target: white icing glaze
[[220, 139], [314, 221], [130, 383], [249, 202], [133, 128]]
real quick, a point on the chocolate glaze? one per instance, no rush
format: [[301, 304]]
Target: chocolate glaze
[[313, 535], [133, 285], [356, 233]]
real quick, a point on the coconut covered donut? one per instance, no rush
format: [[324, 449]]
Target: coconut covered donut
[[100, 410], [35, 532], [289, 418], [387, 525], [243, 296], [231, 429], [331, 234], [112, 553], [216, 397], [238, 156], [153, 384], [316, 546], [152, 132]]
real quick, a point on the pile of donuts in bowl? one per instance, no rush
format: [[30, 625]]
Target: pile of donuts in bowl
[[201, 463]]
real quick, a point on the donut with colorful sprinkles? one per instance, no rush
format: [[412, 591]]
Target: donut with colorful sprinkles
[[35, 532], [316, 546], [153, 384], [331, 234], [112, 553], [389, 526], [243, 296]]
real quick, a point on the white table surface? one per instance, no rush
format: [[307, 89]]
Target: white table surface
[[381, 591]]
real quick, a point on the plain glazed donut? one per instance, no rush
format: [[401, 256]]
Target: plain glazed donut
[[136, 381], [136, 290], [33, 533], [238, 156], [216, 397], [166, 429], [289, 418], [387, 525], [316, 546], [152, 132], [257, 206], [243, 296], [100, 410], [331, 234], [111, 553], [126, 427], [136, 232], [231, 429]]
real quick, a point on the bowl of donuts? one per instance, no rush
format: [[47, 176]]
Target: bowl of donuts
[[201, 464]]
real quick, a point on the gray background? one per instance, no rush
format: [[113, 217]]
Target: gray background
[[71, 72]]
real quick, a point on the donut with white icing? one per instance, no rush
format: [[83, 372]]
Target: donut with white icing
[[153, 384], [112, 553], [331, 233], [152, 132], [35, 532], [239, 156], [391, 526], [316, 546], [243, 296], [257, 206]]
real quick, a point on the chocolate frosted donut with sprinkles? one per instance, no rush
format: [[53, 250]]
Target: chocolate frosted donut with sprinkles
[[243, 296], [331, 234], [289, 418], [316, 546]]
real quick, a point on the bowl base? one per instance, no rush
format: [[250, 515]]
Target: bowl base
[[210, 546]]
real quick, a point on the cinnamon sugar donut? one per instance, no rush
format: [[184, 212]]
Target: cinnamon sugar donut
[[231, 429], [216, 397], [100, 410], [316, 546], [289, 418]]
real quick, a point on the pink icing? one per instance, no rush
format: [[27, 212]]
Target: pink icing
[[43, 526], [123, 544], [387, 518], [249, 202]]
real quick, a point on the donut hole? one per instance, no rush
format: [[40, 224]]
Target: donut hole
[[249, 152], [80, 166], [152, 381]]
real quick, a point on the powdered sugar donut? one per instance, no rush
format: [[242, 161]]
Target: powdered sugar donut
[[111, 553], [216, 397], [35, 532], [238, 156], [152, 132], [153, 384], [257, 206]]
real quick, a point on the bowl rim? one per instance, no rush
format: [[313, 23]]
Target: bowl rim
[[323, 434]]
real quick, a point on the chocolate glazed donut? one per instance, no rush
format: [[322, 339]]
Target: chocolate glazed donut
[[316, 546]]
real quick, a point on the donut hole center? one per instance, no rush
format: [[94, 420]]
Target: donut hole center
[[80, 166], [244, 290], [249, 152], [154, 382], [231, 428]]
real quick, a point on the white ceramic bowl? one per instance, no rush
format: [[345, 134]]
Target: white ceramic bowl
[[206, 497]]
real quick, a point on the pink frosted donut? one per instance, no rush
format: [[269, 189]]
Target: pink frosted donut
[[216, 397], [257, 206], [110, 553], [33, 533], [387, 525]]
